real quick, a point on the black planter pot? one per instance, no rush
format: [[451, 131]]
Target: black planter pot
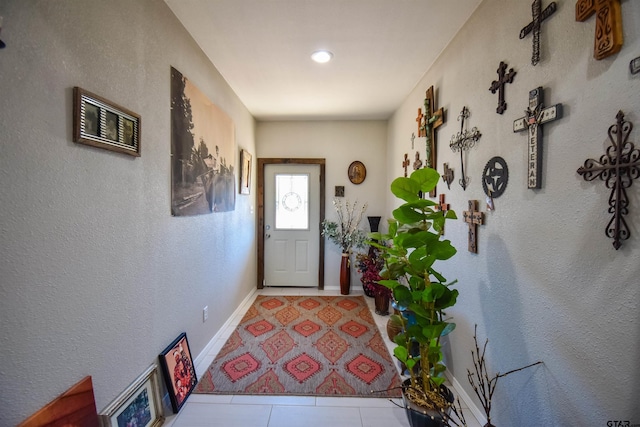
[[421, 417]]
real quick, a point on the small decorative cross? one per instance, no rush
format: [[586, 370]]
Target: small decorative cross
[[405, 163], [417, 164], [609, 38], [539, 16], [498, 85], [618, 167], [462, 141], [419, 120], [442, 207], [413, 137], [473, 218], [535, 116], [447, 175]]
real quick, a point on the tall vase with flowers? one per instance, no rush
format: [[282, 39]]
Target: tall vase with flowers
[[345, 234]]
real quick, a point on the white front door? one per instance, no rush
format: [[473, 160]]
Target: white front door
[[292, 224]]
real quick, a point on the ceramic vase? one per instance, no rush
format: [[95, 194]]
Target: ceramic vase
[[345, 275]]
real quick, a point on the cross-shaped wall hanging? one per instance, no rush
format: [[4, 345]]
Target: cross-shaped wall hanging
[[417, 163], [405, 163], [447, 175], [539, 16], [535, 116], [442, 207], [472, 217], [463, 141], [618, 167], [609, 38], [498, 85]]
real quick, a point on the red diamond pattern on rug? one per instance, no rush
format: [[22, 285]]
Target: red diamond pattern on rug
[[354, 329], [302, 367], [240, 367], [335, 384], [364, 368], [277, 346], [307, 328], [272, 303], [332, 346], [329, 315], [347, 304], [287, 315], [260, 327], [266, 384], [309, 304]]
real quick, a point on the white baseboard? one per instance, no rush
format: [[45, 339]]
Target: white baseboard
[[477, 413]]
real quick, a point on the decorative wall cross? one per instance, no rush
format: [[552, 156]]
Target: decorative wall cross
[[539, 16], [609, 38], [447, 175], [618, 167], [442, 207], [413, 137], [405, 163], [498, 85], [473, 218], [419, 120], [463, 141], [417, 164], [535, 116]]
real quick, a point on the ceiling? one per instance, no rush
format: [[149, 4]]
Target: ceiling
[[381, 49]]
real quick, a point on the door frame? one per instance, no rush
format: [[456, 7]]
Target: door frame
[[262, 162]]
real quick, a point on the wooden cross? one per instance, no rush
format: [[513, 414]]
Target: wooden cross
[[473, 218], [539, 16], [442, 207], [498, 85], [609, 38], [405, 163], [535, 116], [618, 167], [417, 164], [447, 175]]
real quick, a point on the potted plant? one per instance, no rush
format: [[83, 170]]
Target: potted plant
[[414, 245], [345, 234], [369, 265]]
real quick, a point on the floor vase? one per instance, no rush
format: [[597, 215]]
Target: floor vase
[[345, 275]]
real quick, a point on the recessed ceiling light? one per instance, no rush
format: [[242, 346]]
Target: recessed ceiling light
[[322, 56]]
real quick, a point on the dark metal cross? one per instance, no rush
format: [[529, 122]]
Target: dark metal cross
[[539, 16], [498, 85], [618, 167], [462, 141], [609, 38], [473, 218], [535, 116]]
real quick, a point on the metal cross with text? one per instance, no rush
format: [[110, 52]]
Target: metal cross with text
[[609, 37], [618, 167], [539, 16], [463, 141], [535, 116], [498, 85], [472, 217]]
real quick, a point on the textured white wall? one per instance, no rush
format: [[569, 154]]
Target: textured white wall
[[546, 283], [340, 143], [96, 276]]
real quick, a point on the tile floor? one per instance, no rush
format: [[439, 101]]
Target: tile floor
[[292, 411]]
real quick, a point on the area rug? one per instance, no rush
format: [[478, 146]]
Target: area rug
[[305, 346]]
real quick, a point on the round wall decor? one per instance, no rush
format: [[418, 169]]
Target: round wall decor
[[357, 172], [495, 177]]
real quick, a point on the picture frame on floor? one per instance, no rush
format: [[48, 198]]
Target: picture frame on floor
[[178, 371], [101, 123], [138, 405]]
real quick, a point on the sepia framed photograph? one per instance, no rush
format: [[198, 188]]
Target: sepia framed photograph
[[245, 172], [103, 124], [139, 405], [178, 371]]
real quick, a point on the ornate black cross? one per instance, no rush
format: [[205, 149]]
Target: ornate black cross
[[405, 163], [535, 116], [498, 85], [609, 38], [473, 218], [618, 167], [539, 16], [447, 175], [463, 141]]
